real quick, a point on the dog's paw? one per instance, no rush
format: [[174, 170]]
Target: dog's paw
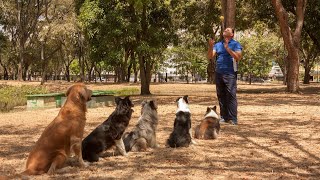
[[84, 164], [193, 142], [51, 171], [156, 146]]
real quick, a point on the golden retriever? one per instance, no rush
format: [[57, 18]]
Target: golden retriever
[[63, 135]]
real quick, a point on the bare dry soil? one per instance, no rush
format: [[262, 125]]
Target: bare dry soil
[[278, 136]]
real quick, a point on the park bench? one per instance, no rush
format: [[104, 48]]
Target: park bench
[[36, 101], [99, 98]]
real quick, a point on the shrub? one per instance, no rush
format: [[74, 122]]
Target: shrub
[[127, 92], [11, 96]]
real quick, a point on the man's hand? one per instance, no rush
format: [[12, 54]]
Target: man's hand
[[211, 53], [226, 42], [211, 42]]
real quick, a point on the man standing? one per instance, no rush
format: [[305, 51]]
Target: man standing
[[228, 53]]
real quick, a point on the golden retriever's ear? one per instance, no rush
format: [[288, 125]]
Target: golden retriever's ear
[[83, 94], [68, 91]]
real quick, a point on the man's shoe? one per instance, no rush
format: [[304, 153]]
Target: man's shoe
[[223, 121], [234, 122]]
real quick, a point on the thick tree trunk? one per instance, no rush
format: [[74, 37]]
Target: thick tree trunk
[[229, 13], [145, 75], [291, 41], [306, 79]]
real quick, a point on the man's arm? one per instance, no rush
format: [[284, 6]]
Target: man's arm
[[211, 52], [237, 55]]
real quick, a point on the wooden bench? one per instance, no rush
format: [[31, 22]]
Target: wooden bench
[[99, 98]]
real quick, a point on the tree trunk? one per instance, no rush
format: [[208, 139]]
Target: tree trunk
[[134, 66], [124, 66], [211, 72], [21, 62], [291, 41], [145, 75], [81, 57], [44, 72], [306, 79], [229, 13]]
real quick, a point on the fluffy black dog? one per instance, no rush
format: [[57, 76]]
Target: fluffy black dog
[[181, 137], [109, 133]]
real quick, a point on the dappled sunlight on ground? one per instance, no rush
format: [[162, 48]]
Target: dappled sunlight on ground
[[277, 136]]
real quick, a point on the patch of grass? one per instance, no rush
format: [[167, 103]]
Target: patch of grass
[[11, 96], [127, 92]]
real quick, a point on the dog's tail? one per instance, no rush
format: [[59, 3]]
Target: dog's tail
[[127, 140], [215, 133], [197, 132]]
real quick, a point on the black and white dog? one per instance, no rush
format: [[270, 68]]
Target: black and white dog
[[109, 133], [143, 135], [181, 135], [209, 127]]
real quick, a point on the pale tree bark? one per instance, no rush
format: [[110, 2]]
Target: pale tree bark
[[291, 40], [28, 13]]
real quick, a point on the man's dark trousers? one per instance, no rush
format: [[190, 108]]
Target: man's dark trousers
[[226, 85]]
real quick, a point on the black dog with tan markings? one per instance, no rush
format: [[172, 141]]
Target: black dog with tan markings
[[109, 133]]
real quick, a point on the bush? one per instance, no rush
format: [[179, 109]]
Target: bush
[[11, 96], [127, 92]]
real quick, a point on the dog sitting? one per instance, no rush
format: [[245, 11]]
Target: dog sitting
[[109, 133], [209, 128], [62, 135], [144, 134], [181, 136]]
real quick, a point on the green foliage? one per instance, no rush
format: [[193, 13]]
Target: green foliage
[[11, 96], [127, 92], [75, 68], [259, 51]]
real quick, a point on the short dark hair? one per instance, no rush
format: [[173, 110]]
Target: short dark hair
[[231, 29]]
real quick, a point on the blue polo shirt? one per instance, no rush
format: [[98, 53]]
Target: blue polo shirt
[[225, 62]]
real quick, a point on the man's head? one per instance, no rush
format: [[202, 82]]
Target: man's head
[[228, 33]]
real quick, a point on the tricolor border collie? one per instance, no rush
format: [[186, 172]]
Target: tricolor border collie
[[109, 133], [209, 127], [181, 136]]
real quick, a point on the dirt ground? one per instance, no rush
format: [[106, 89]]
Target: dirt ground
[[278, 136]]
